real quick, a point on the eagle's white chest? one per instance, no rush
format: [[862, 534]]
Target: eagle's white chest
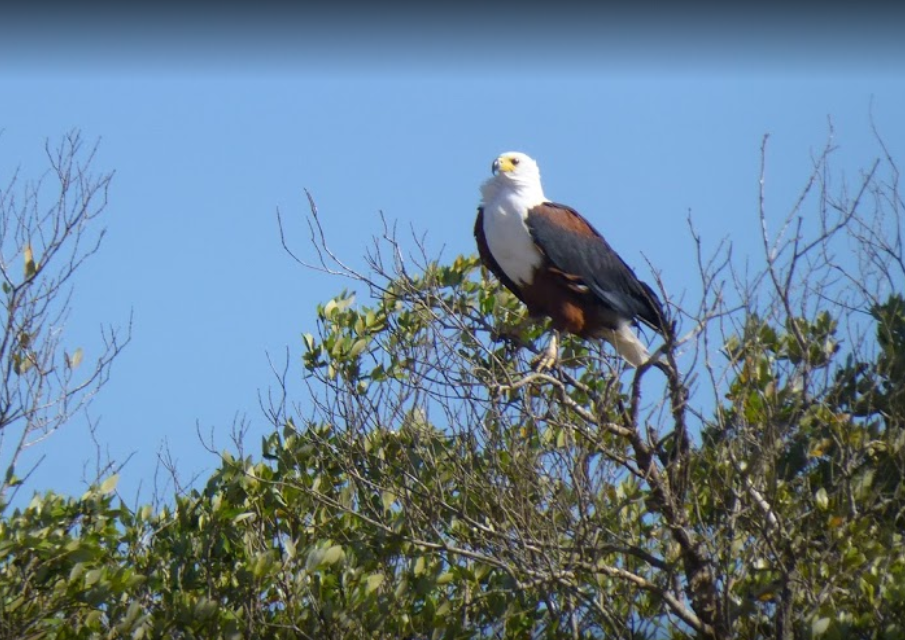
[[509, 240]]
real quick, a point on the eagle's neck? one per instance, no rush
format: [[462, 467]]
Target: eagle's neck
[[525, 193], [506, 208]]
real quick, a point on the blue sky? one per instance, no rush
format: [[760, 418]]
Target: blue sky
[[208, 143]]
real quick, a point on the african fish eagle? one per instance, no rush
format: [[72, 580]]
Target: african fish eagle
[[559, 265]]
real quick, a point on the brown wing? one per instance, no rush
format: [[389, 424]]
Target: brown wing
[[581, 253], [488, 259]]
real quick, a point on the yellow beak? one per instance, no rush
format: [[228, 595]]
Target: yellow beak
[[504, 164]]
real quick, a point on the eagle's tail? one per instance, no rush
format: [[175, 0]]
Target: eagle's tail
[[627, 344]]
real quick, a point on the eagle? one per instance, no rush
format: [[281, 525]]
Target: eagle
[[559, 265]]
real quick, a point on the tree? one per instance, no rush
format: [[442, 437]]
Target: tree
[[437, 487], [570, 489], [48, 229]]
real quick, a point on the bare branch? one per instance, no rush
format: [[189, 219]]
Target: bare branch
[[45, 381]]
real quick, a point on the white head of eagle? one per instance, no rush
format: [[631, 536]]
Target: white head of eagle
[[558, 264]]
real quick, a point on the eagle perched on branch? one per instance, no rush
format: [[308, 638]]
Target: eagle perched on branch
[[559, 265]]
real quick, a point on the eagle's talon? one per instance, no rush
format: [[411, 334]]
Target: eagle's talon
[[548, 358]]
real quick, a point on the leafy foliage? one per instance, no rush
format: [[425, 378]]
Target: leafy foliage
[[421, 531]]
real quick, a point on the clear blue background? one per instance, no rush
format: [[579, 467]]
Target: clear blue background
[[636, 127]]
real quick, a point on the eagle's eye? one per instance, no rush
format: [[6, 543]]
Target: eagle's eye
[[515, 161]]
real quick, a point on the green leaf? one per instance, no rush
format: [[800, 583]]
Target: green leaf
[[93, 619], [862, 482], [31, 267], [108, 485], [243, 516], [358, 347], [314, 559], [819, 626], [75, 359], [262, 564], [91, 577], [77, 571], [204, 609], [333, 555], [11, 479], [373, 581], [821, 498]]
